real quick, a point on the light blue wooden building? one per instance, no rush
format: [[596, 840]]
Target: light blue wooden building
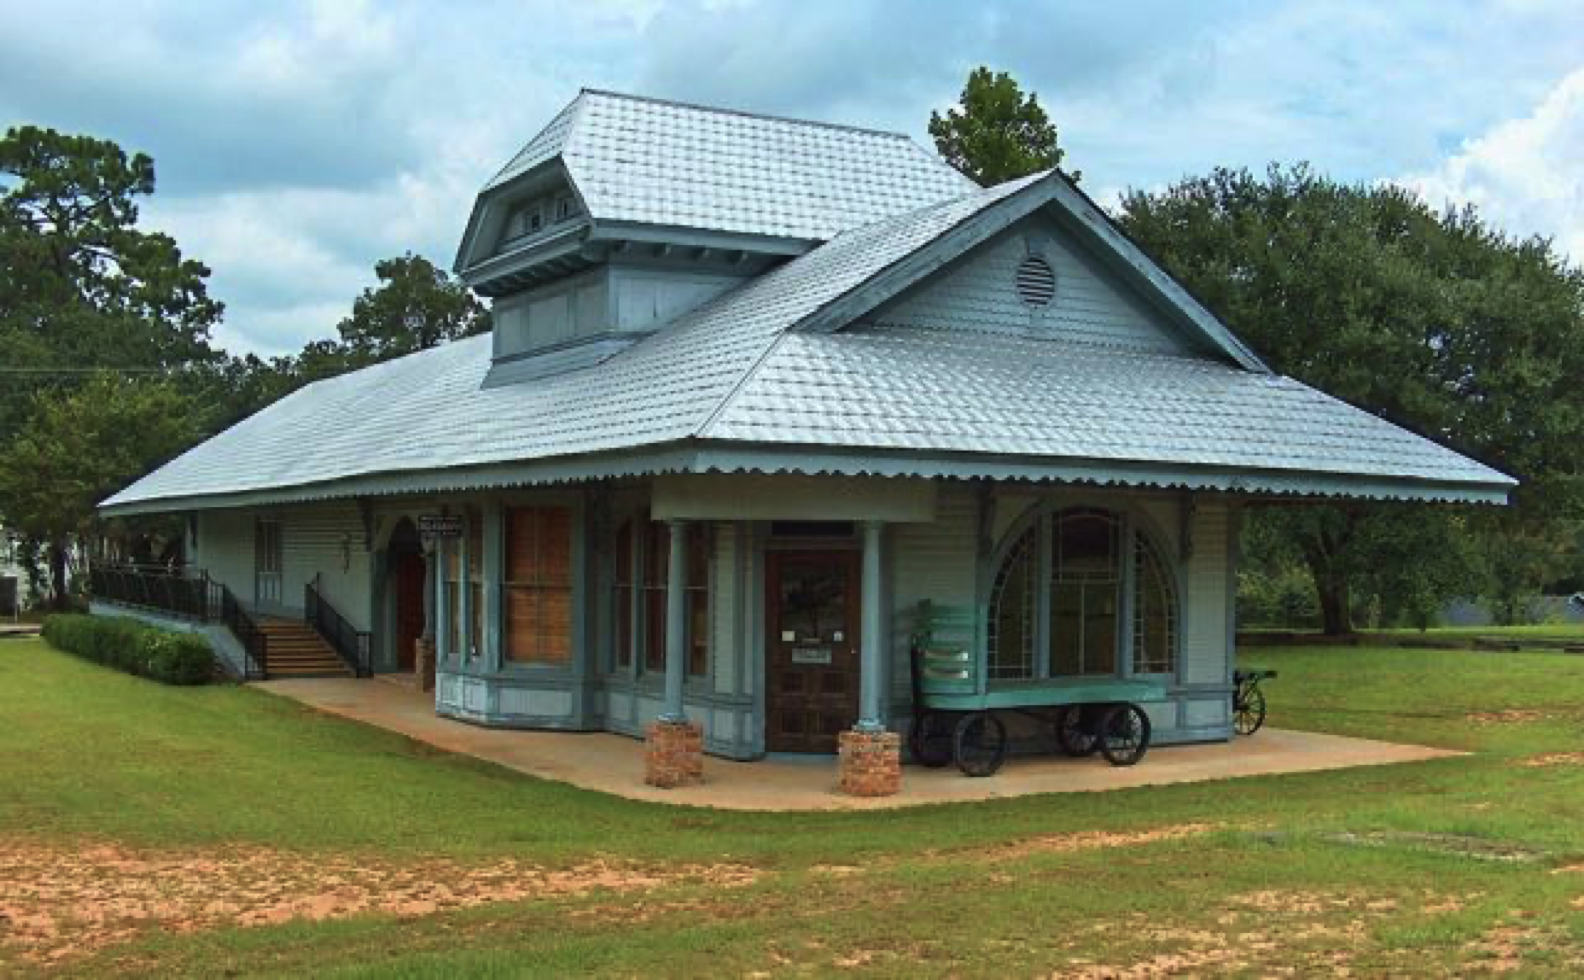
[[756, 388]]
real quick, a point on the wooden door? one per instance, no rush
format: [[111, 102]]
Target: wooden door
[[409, 606], [267, 563], [811, 671]]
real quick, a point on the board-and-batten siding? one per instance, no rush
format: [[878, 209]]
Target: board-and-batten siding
[[312, 540], [980, 295]]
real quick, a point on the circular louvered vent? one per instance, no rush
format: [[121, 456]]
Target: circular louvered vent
[[1036, 281]]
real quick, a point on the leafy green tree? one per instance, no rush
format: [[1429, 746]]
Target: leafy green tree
[[1431, 320], [80, 284], [416, 306], [996, 133], [82, 445]]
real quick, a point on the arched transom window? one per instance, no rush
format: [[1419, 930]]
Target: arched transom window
[[1073, 591]]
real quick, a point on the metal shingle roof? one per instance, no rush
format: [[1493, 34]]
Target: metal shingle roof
[[649, 161], [939, 390], [735, 372], [427, 410]]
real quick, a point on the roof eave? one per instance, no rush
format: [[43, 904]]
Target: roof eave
[[722, 456]]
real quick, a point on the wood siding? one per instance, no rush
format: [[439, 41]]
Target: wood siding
[[326, 540], [979, 294], [933, 561], [1205, 643]]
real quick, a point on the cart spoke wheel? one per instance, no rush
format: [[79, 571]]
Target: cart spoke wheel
[[980, 744], [1124, 734], [930, 739], [1075, 733], [1248, 713]]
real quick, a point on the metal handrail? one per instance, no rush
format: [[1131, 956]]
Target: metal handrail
[[185, 592], [254, 641], [351, 644]]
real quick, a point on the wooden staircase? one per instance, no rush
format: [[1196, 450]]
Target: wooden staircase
[[297, 650]]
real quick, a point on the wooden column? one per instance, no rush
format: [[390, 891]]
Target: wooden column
[[674, 754], [872, 634], [676, 624]]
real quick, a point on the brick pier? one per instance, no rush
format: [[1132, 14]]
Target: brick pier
[[871, 763], [674, 754]]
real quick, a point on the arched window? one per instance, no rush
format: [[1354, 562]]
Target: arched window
[[1075, 616], [1013, 610], [1086, 593], [1154, 612]]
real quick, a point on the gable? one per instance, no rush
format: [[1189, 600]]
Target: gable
[[982, 293]]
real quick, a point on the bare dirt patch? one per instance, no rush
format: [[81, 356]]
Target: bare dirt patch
[[1458, 845], [1554, 759], [1094, 840], [57, 903], [1511, 716]]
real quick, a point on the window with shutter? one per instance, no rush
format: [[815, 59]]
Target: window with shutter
[[537, 586]]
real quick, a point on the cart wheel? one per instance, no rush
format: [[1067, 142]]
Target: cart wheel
[[930, 739], [1124, 734], [1248, 712], [1075, 733], [980, 744]]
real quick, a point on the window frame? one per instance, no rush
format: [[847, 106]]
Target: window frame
[[649, 595], [1136, 536], [541, 585]]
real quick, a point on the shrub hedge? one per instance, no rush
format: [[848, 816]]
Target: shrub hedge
[[126, 644]]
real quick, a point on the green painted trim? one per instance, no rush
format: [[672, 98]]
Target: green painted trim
[[1051, 692]]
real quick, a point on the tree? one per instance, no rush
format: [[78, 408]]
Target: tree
[[995, 133], [1433, 321], [80, 284], [416, 306], [79, 447]]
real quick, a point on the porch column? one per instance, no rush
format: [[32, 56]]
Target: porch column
[[674, 750], [430, 559], [424, 652], [871, 634], [676, 624], [870, 761]]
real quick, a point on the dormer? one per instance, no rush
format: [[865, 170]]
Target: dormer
[[625, 213]]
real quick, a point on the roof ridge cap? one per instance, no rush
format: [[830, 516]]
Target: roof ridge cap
[[571, 110], [770, 117]]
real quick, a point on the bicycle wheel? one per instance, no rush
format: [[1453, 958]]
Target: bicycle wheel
[[1248, 712]]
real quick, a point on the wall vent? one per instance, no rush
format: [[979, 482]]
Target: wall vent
[[1036, 281]]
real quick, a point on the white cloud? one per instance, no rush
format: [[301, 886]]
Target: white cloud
[[1525, 175], [299, 142]]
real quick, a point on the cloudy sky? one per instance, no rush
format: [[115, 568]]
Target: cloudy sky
[[297, 143]]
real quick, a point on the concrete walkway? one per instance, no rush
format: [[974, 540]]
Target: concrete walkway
[[614, 764]]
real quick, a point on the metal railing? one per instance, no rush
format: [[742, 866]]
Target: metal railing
[[151, 587], [189, 593], [223, 605], [352, 645]]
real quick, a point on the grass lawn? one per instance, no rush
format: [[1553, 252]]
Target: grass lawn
[[153, 830]]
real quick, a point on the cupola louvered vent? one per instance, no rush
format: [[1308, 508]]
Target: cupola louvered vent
[[1036, 281]]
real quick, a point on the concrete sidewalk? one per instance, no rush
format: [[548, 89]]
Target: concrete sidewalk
[[615, 764]]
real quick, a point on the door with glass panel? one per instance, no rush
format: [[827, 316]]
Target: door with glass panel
[[812, 670], [267, 563]]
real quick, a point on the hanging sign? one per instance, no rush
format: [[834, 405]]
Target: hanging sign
[[440, 525], [812, 655]]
